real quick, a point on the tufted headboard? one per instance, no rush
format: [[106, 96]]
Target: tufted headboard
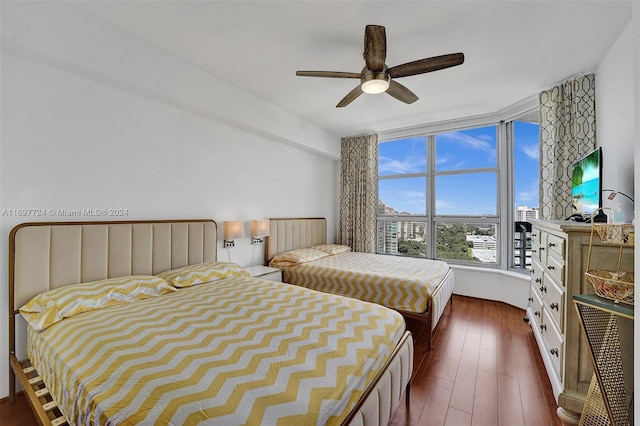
[[293, 233]]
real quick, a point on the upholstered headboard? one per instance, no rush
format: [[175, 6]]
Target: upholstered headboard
[[48, 255], [293, 233]]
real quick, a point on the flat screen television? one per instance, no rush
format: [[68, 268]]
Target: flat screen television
[[586, 184]]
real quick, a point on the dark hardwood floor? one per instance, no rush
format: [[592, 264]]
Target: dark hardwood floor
[[484, 369]]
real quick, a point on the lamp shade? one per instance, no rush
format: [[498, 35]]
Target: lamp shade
[[260, 228], [233, 230]]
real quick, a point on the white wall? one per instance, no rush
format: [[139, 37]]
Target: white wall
[[493, 284], [618, 132], [94, 119], [615, 118]]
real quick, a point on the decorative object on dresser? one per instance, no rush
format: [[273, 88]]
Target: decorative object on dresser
[[614, 283], [560, 256]]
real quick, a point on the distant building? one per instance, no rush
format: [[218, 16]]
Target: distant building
[[483, 242], [522, 243], [524, 213], [387, 237], [484, 247], [386, 210]]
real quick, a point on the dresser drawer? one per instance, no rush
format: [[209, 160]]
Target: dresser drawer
[[536, 305], [554, 343], [536, 253], [555, 245], [536, 235], [555, 267], [554, 299], [536, 273]]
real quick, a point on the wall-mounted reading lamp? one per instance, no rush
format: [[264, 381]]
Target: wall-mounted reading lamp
[[232, 230], [259, 230]]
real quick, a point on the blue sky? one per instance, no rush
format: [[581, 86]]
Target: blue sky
[[465, 194]]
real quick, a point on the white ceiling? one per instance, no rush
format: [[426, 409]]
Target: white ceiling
[[513, 50]]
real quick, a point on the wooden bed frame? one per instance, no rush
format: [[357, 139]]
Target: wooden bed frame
[[293, 233], [47, 255]]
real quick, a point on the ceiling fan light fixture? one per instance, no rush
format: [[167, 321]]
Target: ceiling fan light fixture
[[376, 77], [375, 82]]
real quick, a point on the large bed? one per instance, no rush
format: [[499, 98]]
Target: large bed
[[417, 288], [138, 323]]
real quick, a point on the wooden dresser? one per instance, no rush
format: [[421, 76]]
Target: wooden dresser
[[559, 259]]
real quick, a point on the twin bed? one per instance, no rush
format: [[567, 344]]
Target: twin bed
[[137, 323], [417, 288]]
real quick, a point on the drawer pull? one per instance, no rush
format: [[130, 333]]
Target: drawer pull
[[541, 248], [536, 313], [538, 280], [543, 327], [555, 306], [531, 299], [543, 289], [554, 351], [551, 244], [534, 251], [534, 235], [551, 267]]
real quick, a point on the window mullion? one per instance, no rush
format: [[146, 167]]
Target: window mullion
[[431, 195]]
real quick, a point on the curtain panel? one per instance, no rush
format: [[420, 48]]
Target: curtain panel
[[567, 133], [358, 192]]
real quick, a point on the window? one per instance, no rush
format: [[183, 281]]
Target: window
[[525, 135], [443, 185], [463, 194]]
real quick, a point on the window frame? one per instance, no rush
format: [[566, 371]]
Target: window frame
[[505, 197]]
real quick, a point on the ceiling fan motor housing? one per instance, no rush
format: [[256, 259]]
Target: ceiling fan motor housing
[[373, 82]]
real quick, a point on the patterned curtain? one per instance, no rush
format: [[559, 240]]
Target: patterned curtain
[[358, 193], [567, 133]]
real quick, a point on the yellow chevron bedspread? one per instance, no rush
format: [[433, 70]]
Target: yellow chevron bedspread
[[236, 351], [402, 283]]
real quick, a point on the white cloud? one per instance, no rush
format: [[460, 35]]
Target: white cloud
[[531, 151], [394, 166], [482, 143]]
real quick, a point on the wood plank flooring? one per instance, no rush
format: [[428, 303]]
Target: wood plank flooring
[[484, 369]]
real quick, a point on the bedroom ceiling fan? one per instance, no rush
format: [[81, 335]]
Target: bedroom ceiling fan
[[376, 77]]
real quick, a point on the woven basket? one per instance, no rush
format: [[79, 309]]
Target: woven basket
[[621, 233], [612, 285]]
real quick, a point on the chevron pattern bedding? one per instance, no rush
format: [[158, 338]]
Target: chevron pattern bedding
[[236, 351], [401, 283]]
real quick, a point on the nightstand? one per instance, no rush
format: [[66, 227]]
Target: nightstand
[[265, 272]]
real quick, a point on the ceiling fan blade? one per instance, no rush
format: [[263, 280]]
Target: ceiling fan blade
[[351, 96], [328, 74], [401, 93], [375, 47], [422, 66]]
